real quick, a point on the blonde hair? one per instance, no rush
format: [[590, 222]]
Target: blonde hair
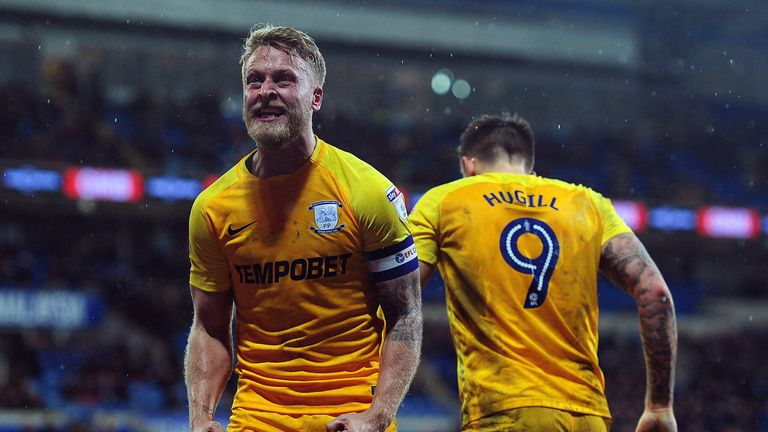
[[288, 40]]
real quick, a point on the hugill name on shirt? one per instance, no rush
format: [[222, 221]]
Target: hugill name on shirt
[[519, 197]]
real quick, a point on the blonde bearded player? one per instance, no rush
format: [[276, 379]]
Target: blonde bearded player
[[313, 248], [520, 256]]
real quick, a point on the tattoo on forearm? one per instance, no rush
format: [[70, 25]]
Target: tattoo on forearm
[[626, 262], [658, 329], [401, 304], [408, 330]]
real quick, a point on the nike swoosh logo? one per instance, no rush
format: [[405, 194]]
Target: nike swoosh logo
[[233, 231]]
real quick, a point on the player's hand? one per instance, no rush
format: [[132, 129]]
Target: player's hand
[[211, 426], [657, 420], [362, 422]]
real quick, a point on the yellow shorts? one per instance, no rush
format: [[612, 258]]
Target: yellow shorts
[[540, 419], [251, 421]]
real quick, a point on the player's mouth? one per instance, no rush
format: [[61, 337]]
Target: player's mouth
[[267, 114]]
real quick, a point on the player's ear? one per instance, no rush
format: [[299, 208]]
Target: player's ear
[[317, 98], [468, 166]]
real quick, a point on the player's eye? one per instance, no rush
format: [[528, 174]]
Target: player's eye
[[285, 79]]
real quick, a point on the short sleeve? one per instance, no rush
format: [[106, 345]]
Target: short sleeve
[[380, 210], [425, 224], [612, 224], [208, 265], [387, 243]]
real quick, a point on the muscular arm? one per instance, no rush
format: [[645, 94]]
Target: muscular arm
[[400, 300], [208, 360], [625, 261]]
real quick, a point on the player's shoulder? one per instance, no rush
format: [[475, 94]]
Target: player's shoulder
[[438, 193], [454, 188], [371, 194], [565, 186], [354, 174], [224, 182], [338, 160], [429, 203], [579, 193]]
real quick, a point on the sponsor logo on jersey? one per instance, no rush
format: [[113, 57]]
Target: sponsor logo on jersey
[[299, 269], [326, 217], [398, 200]]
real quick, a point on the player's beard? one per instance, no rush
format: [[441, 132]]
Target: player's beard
[[276, 135]]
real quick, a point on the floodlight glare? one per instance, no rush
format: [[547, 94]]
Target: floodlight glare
[[461, 89], [441, 83]]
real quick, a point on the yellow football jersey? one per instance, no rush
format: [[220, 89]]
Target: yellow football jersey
[[301, 253], [520, 256]]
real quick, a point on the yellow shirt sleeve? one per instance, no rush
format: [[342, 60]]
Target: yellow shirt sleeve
[[208, 265], [612, 224], [378, 205], [382, 215], [425, 221], [380, 212]]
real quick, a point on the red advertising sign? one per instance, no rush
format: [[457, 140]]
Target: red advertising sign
[[633, 213], [99, 184], [728, 222]]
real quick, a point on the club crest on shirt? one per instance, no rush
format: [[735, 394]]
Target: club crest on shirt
[[398, 200], [326, 217]]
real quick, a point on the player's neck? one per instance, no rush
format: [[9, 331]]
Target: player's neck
[[270, 162], [501, 167]]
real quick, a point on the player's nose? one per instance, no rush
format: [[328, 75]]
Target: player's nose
[[268, 89]]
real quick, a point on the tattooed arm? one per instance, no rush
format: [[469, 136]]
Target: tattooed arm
[[625, 261], [208, 360], [400, 300]]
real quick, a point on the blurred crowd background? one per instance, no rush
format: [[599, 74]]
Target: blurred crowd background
[[661, 104]]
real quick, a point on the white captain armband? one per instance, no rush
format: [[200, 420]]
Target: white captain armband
[[393, 261]]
